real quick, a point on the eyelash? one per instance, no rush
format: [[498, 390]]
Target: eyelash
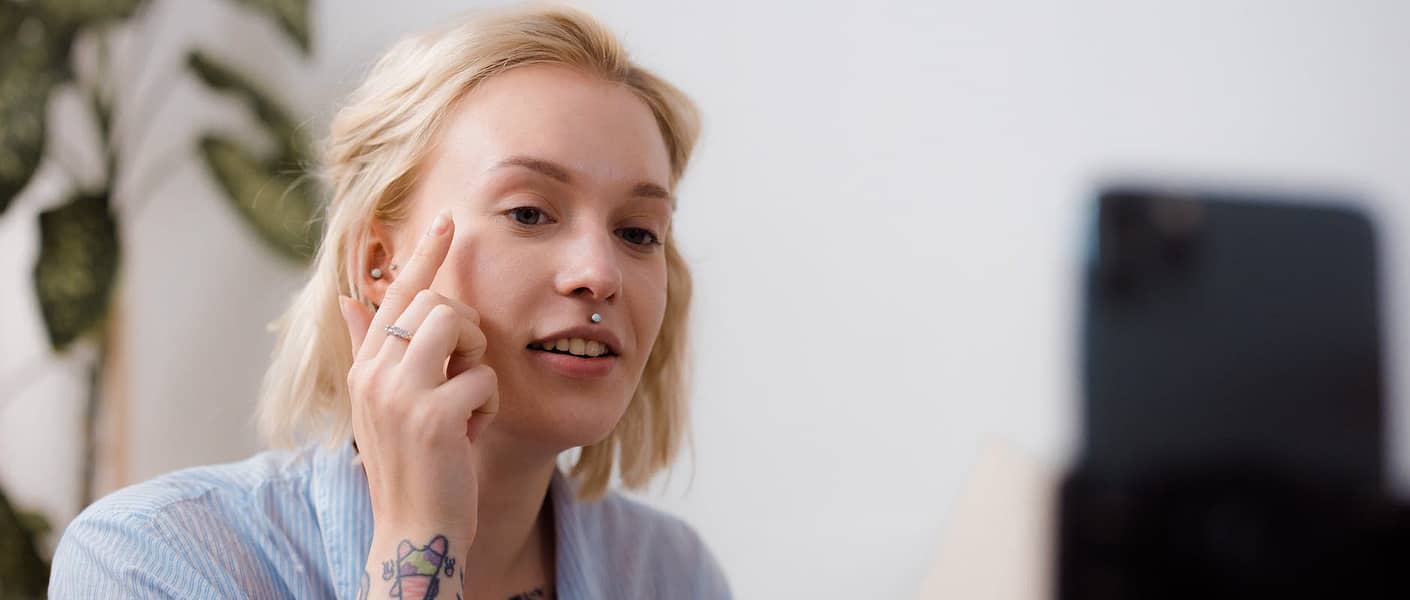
[[514, 213]]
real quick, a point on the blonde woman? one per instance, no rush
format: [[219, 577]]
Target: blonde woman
[[497, 284]]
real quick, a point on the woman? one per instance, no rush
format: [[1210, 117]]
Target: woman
[[497, 284]]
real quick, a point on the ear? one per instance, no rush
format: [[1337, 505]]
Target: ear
[[376, 253]]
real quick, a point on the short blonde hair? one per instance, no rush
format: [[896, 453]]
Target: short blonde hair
[[379, 139]]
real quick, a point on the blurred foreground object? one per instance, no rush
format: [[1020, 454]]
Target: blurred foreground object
[[997, 537], [1234, 431], [99, 52]]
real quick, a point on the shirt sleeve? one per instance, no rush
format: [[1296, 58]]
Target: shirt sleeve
[[115, 555]]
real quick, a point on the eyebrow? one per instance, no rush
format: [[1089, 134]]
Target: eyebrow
[[558, 173]]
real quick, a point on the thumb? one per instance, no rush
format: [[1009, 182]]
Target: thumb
[[357, 318]]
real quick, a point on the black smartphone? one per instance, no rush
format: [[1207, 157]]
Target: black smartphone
[[1233, 431], [1232, 328]]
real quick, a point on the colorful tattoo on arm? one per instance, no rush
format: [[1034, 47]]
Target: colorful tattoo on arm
[[417, 571]]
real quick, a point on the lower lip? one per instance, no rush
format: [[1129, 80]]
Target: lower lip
[[572, 366]]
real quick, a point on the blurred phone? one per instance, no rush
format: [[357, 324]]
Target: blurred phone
[[1223, 328], [1233, 416]]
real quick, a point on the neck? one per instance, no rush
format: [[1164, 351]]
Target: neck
[[513, 540]]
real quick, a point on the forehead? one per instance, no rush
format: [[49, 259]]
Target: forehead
[[601, 132]]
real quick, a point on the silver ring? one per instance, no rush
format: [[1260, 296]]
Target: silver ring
[[398, 332]]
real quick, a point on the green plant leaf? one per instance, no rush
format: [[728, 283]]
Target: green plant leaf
[[270, 195], [78, 263], [73, 14], [32, 62], [23, 572], [36, 38], [275, 119], [291, 15]]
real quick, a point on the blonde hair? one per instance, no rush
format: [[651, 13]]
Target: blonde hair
[[378, 140]]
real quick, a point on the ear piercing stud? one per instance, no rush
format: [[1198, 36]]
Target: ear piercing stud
[[377, 273]]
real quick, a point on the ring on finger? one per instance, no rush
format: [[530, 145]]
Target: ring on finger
[[395, 331]]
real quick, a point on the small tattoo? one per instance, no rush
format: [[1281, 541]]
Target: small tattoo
[[364, 587], [389, 570], [418, 570], [535, 594], [450, 567]]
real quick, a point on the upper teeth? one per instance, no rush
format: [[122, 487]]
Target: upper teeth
[[577, 346]]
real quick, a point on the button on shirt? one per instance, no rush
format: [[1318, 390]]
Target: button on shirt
[[298, 524]]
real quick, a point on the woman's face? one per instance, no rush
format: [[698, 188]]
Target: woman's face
[[557, 184]]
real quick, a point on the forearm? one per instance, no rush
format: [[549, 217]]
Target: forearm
[[414, 565]]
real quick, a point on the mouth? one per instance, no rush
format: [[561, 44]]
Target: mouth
[[575, 347], [574, 357]]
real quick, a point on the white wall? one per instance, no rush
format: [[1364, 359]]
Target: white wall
[[882, 218]]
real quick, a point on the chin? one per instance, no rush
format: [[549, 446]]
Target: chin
[[563, 420]]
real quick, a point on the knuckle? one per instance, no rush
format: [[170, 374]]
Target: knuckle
[[374, 372], [441, 312], [354, 385], [389, 405], [419, 417], [427, 296], [384, 384], [359, 376]]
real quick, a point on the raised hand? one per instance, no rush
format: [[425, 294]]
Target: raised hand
[[418, 406]]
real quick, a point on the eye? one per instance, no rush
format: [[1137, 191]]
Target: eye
[[527, 215], [638, 236]]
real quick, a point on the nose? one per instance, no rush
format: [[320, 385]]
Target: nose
[[590, 268]]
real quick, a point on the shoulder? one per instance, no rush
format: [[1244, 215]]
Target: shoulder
[[667, 551], [262, 483], [187, 531], [617, 517], [237, 482]]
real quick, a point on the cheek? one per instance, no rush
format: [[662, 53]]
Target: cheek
[[495, 281], [652, 306], [485, 270]]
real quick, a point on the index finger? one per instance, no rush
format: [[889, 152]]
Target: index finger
[[430, 252]]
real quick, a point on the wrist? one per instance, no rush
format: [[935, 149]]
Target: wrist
[[412, 559]]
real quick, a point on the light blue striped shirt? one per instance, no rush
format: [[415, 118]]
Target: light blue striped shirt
[[298, 524]]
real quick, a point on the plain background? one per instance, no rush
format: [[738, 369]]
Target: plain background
[[883, 218]]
